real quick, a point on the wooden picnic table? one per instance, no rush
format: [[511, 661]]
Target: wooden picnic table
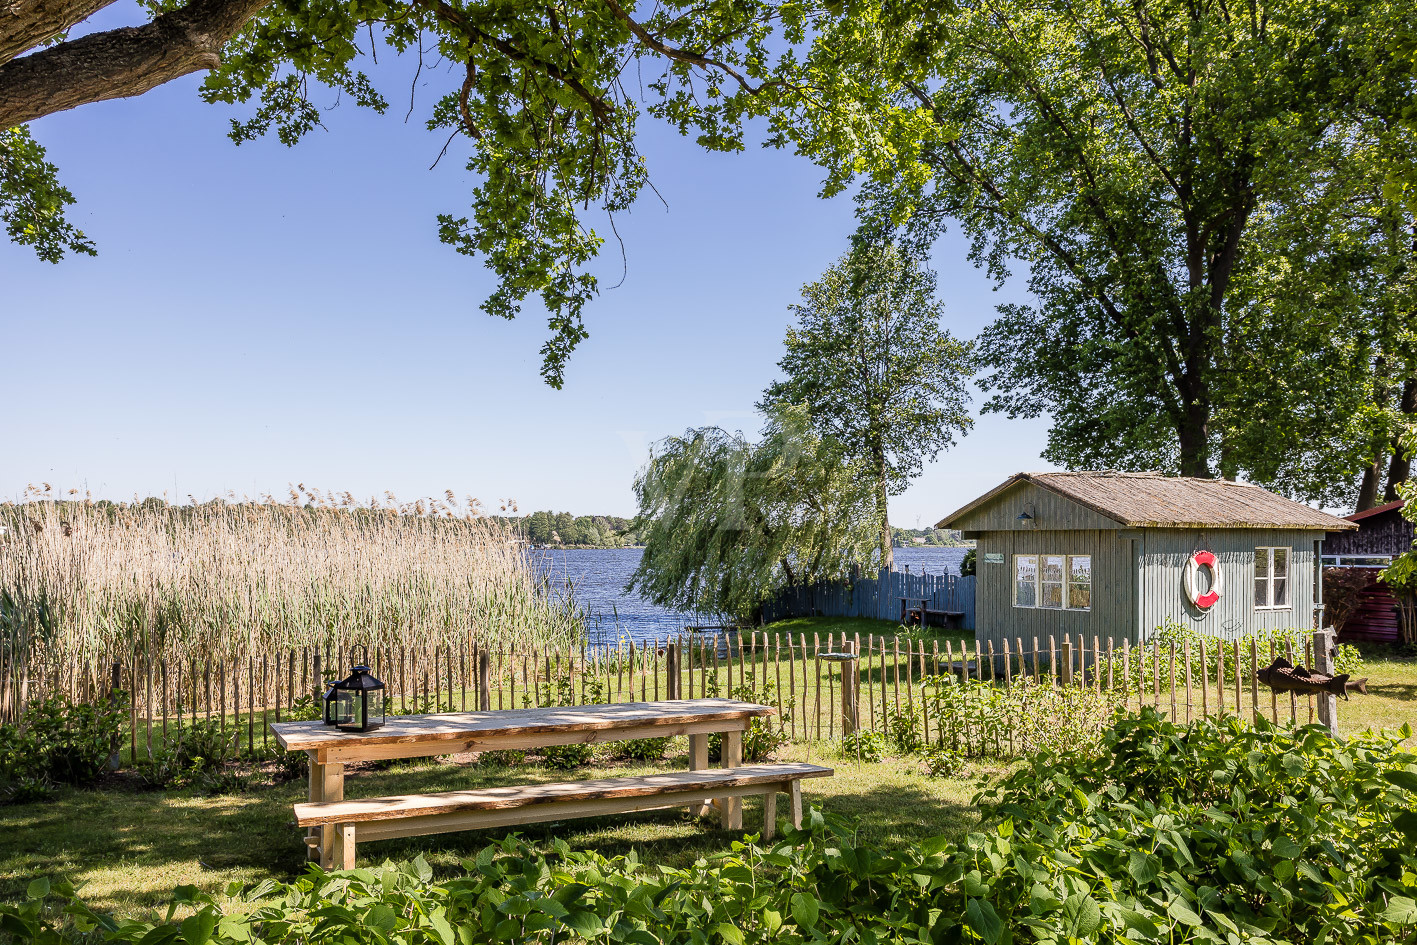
[[414, 736], [925, 611]]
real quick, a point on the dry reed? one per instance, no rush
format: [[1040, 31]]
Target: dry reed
[[79, 579]]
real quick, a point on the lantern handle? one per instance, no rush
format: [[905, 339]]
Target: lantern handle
[[365, 648]]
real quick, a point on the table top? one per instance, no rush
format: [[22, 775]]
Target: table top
[[307, 736]]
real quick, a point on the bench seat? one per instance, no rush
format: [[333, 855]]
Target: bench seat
[[410, 815]]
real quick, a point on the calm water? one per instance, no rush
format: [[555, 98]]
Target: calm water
[[598, 578]]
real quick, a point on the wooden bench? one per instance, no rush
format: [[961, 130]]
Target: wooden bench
[[413, 815]]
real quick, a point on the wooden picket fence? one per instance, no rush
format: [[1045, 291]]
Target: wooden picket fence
[[823, 687]]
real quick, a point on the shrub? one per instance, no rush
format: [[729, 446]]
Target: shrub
[[1212, 833], [903, 731], [864, 745], [642, 749], [942, 762], [981, 719], [764, 735], [502, 758], [58, 741]]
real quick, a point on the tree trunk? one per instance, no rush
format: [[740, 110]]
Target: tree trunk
[[883, 510], [1368, 488], [1399, 468], [1194, 435]]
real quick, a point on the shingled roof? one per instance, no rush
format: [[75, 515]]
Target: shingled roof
[[1151, 500]]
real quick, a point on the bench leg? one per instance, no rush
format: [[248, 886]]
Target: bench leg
[[795, 788], [731, 808], [342, 854], [698, 761], [770, 814]]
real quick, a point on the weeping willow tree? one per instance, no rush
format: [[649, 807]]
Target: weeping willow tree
[[727, 522]]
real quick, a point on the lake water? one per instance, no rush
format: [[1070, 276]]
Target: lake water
[[597, 577]]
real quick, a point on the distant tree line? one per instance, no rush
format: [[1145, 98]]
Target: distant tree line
[[939, 537], [587, 531]]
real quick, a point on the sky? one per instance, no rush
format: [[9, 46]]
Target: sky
[[261, 315]]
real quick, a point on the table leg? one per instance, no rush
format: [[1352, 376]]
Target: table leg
[[770, 814], [332, 789], [316, 793], [796, 790], [731, 808]]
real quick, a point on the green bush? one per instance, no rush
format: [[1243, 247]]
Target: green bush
[[864, 745], [58, 741], [1143, 668], [641, 749], [942, 762], [502, 758], [983, 720]]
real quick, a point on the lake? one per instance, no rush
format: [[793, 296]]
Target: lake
[[597, 577]]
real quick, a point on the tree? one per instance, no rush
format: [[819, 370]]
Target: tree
[[1121, 152], [538, 92], [875, 370], [726, 522]]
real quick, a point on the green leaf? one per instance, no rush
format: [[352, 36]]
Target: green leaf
[[197, 929], [1081, 915], [729, 933], [584, 923], [38, 888], [1400, 911], [1181, 912], [1143, 867], [982, 918], [805, 910]]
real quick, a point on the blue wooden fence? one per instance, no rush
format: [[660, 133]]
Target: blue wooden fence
[[877, 597]]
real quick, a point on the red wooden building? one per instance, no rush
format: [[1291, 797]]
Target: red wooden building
[[1382, 535]]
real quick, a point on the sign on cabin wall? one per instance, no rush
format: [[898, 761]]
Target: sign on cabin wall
[[993, 557]]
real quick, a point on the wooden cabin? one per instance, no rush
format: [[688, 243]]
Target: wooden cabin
[[1380, 534], [1115, 555]]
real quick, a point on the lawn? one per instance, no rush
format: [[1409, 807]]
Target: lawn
[[128, 848]]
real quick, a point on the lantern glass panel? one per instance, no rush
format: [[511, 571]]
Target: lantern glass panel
[[344, 711]]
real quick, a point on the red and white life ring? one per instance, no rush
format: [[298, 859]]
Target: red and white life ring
[[1203, 559]]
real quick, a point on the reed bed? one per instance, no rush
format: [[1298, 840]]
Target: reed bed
[[81, 581]]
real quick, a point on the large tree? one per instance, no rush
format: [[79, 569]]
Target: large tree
[[726, 522], [875, 369], [543, 96], [1120, 153]]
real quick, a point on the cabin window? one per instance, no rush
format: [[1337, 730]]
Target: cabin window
[[1025, 580], [1271, 578], [1054, 582]]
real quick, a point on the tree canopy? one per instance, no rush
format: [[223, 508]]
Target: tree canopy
[[875, 370], [541, 98], [725, 522], [1122, 154]]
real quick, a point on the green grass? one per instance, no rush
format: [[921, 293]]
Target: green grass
[[1392, 693], [127, 848]]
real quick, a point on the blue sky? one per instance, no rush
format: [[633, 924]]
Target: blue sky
[[263, 315]]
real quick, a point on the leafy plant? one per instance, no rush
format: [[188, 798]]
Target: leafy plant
[[864, 745], [903, 730], [502, 758], [943, 762], [642, 749], [764, 735], [58, 741]]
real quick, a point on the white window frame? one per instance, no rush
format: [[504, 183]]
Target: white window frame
[[1268, 576], [1038, 581]]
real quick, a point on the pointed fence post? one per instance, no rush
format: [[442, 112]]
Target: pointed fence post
[[1323, 663]]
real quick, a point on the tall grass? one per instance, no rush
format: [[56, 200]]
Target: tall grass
[[78, 578]]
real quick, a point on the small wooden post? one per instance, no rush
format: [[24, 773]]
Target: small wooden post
[[1067, 666], [673, 682], [1323, 663], [850, 679]]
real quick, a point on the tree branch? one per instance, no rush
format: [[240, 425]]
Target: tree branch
[[122, 62], [25, 24]]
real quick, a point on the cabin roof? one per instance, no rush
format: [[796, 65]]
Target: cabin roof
[[1151, 500]]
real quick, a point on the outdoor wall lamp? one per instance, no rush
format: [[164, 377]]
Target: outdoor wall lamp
[[1025, 520]]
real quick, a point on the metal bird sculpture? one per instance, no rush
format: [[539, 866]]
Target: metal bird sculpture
[[1283, 676]]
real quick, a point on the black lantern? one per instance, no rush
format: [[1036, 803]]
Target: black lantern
[[356, 703], [329, 700]]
